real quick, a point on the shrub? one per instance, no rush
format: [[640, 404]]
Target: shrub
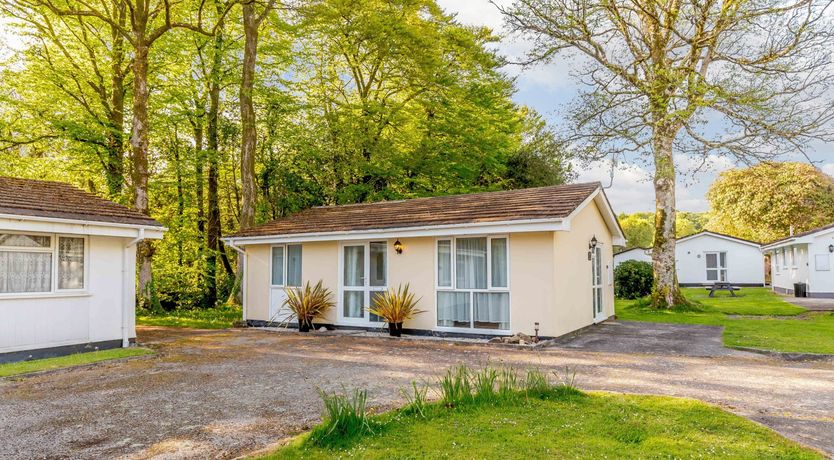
[[345, 416], [396, 306], [633, 279], [308, 303]]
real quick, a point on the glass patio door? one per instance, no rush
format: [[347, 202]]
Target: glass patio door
[[364, 276], [596, 283]]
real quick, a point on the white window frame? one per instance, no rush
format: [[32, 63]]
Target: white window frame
[[286, 265], [784, 259], [489, 289], [793, 257], [366, 287], [718, 268], [52, 249], [827, 262]]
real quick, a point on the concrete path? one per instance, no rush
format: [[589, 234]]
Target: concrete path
[[218, 394], [654, 338], [811, 303]]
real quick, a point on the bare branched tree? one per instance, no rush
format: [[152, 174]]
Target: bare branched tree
[[749, 79]]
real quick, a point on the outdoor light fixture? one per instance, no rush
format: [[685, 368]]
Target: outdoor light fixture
[[831, 248], [536, 338], [398, 247], [591, 245]]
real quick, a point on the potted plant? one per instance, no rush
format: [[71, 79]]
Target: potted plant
[[395, 307], [308, 303]]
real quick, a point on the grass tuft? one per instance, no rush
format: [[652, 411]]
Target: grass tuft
[[417, 400], [455, 386], [345, 417]]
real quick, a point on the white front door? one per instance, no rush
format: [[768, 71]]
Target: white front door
[[596, 283], [364, 276], [285, 271]]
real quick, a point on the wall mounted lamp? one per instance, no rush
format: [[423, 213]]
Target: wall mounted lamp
[[398, 247]]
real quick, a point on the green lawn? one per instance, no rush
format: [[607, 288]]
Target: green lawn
[[599, 425], [765, 321], [26, 367], [199, 318]]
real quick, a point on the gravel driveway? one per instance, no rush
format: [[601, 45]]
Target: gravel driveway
[[219, 394]]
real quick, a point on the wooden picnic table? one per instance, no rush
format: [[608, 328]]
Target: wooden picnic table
[[722, 286]]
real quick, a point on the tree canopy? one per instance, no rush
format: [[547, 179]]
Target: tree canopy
[[347, 101], [763, 202]]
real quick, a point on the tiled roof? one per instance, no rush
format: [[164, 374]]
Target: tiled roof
[[533, 203], [26, 197]]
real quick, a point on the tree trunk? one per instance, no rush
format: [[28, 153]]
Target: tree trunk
[[666, 292], [247, 117], [114, 163], [213, 230], [139, 146], [199, 179]]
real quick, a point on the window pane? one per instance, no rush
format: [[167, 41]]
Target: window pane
[[723, 259], [25, 272], [378, 256], [354, 270], [278, 266], [453, 309], [712, 261], [499, 262], [353, 305], [598, 266], [492, 310], [712, 275], [471, 263], [25, 241], [444, 263], [294, 265], [70, 263], [822, 262]]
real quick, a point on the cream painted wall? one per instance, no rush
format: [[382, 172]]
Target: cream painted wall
[[572, 277], [550, 276]]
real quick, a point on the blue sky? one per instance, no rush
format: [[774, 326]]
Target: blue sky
[[547, 87]]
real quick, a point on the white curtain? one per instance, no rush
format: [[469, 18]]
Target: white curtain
[[70, 263], [25, 272], [492, 309], [353, 307], [499, 262], [444, 263], [278, 266], [294, 265], [471, 263], [378, 256], [354, 265], [452, 307]]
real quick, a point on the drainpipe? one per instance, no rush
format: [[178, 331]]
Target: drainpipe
[[125, 297], [242, 252]]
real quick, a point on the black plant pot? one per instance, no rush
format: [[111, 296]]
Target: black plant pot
[[395, 329], [303, 326]]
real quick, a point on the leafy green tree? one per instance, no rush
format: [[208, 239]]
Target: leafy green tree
[[639, 227], [662, 75], [763, 202]]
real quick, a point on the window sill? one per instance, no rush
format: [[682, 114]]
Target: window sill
[[44, 295]]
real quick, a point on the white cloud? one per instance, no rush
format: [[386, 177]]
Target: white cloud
[[828, 168]]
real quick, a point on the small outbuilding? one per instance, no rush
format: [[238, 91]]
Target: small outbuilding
[[803, 261], [67, 269], [482, 264], [707, 257]]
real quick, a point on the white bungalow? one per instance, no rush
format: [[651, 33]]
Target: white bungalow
[[707, 257], [67, 270], [803, 258]]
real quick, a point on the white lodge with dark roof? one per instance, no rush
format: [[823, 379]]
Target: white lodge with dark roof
[[67, 269], [485, 264], [804, 258]]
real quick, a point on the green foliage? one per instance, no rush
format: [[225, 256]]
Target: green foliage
[[345, 416], [762, 202], [456, 386], [639, 227], [756, 318], [633, 279], [416, 400], [78, 359]]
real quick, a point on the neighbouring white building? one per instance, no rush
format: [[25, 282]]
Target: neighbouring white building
[[803, 258], [707, 257], [67, 269]]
